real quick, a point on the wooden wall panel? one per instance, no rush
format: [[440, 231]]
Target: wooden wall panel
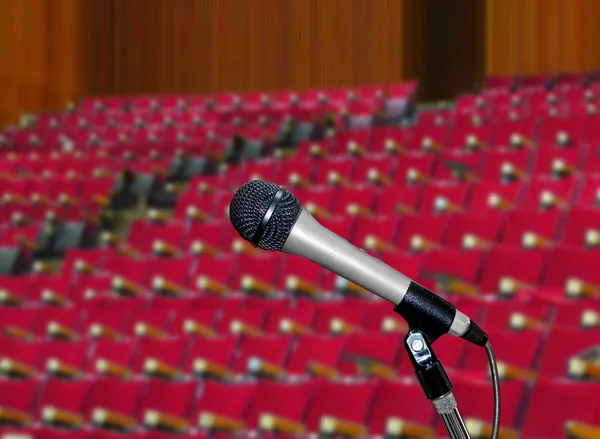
[[205, 46], [542, 36], [40, 44]]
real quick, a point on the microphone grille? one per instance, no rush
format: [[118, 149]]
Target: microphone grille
[[249, 206]]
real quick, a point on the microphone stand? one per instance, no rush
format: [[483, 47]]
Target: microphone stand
[[435, 382]]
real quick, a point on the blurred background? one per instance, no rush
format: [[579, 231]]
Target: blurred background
[[59, 51], [456, 140]]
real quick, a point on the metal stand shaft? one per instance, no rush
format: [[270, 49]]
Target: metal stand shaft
[[435, 383]]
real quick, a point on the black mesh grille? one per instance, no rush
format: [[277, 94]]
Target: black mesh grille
[[248, 208]]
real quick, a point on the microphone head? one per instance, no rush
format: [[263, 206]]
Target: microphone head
[[264, 214]]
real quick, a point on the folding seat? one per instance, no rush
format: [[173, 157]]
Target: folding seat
[[86, 288], [156, 238], [355, 200], [20, 358], [85, 261], [341, 406], [579, 314], [262, 355], [211, 357], [371, 354], [276, 404], [374, 169], [242, 321], [400, 409], [50, 290], [104, 410], [302, 276], [168, 405], [419, 233], [376, 233], [563, 346], [295, 172], [397, 200], [560, 164], [64, 360], [15, 191], [135, 271], [506, 165], [472, 230], [335, 317], [467, 137], [148, 323], [560, 132], [96, 190], [458, 165], [208, 238], [573, 271], [257, 274], [352, 142], [557, 406], [107, 434], [47, 318], [194, 321], [258, 170], [517, 352], [427, 138], [22, 219], [520, 314], [197, 207], [15, 288], [475, 399], [17, 398], [388, 139], [112, 357], [311, 149], [444, 197], [62, 402], [548, 104], [160, 358], [451, 271], [510, 270], [435, 118], [169, 276], [591, 132], [514, 132], [530, 229], [589, 195], [412, 168], [335, 171], [223, 406], [317, 200], [471, 103], [213, 274], [316, 355], [582, 228]]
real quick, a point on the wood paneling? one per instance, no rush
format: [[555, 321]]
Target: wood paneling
[[541, 36], [206, 46], [40, 62]]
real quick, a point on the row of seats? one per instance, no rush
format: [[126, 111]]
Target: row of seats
[[291, 408]]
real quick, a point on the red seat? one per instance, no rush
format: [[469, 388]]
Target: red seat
[[589, 196], [458, 165], [582, 228], [256, 350], [167, 351], [444, 196], [344, 401], [554, 403], [68, 396], [510, 270], [426, 231], [395, 200], [413, 167], [285, 400], [468, 230], [421, 136], [362, 348], [170, 398], [321, 349], [562, 345], [376, 233], [116, 396], [545, 193], [19, 395], [218, 350], [505, 131], [229, 400], [573, 271], [489, 195], [498, 162], [335, 170], [530, 228]]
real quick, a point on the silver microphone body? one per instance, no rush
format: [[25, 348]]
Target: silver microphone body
[[309, 239]]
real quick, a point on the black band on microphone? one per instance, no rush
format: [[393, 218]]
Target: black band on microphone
[[268, 214], [426, 311]]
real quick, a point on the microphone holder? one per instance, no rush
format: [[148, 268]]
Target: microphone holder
[[435, 382]]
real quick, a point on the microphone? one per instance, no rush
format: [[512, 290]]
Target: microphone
[[271, 218]]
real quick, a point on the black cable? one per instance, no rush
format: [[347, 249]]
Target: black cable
[[496, 384]]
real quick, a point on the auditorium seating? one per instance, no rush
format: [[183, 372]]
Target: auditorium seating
[[184, 330]]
